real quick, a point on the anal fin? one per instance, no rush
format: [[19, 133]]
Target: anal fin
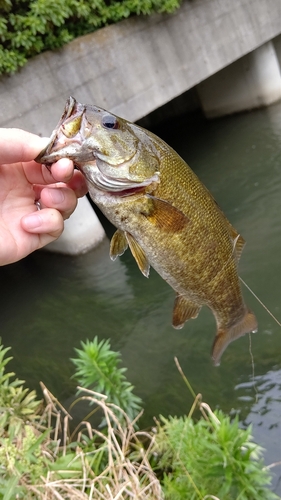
[[184, 309]]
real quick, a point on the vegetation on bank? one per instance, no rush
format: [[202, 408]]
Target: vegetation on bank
[[44, 456], [28, 27]]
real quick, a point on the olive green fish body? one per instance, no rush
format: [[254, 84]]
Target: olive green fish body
[[178, 243], [163, 213]]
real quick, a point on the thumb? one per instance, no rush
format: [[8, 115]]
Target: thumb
[[19, 145]]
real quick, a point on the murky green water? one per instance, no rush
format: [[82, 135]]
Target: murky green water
[[50, 302]]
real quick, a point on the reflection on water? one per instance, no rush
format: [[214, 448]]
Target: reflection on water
[[265, 415], [50, 302]]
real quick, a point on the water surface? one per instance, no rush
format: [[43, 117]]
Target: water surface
[[49, 303]]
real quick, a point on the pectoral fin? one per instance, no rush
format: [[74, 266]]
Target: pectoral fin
[[118, 244], [138, 254], [184, 309], [165, 215]]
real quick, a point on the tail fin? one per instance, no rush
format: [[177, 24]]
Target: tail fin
[[225, 336]]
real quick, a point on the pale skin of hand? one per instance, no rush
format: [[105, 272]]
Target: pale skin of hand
[[23, 228]]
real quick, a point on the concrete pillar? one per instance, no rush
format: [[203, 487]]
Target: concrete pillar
[[277, 45], [251, 82], [82, 231]]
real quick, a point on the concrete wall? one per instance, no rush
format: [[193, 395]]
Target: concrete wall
[[136, 66]]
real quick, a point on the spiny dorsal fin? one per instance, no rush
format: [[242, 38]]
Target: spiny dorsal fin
[[138, 254], [166, 216], [118, 244], [184, 309]]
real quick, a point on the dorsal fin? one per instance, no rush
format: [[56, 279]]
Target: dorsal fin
[[238, 240], [238, 245]]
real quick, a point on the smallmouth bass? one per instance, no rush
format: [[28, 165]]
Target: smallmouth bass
[[162, 212]]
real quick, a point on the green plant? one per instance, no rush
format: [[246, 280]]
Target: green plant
[[21, 457], [28, 27], [97, 368], [34, 464], [210, 458], [18, 405]]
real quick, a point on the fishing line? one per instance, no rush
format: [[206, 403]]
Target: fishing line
[[263, 305], [253, 368]]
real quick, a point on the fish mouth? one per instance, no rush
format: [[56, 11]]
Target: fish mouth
[[116, 186], [48, 155]]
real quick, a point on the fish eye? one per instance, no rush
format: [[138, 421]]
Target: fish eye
[[110, 121]]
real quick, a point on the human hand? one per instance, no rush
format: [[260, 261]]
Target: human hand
[[23, 228]]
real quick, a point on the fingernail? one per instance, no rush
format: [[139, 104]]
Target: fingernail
[[57, 196], [33, 221]]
